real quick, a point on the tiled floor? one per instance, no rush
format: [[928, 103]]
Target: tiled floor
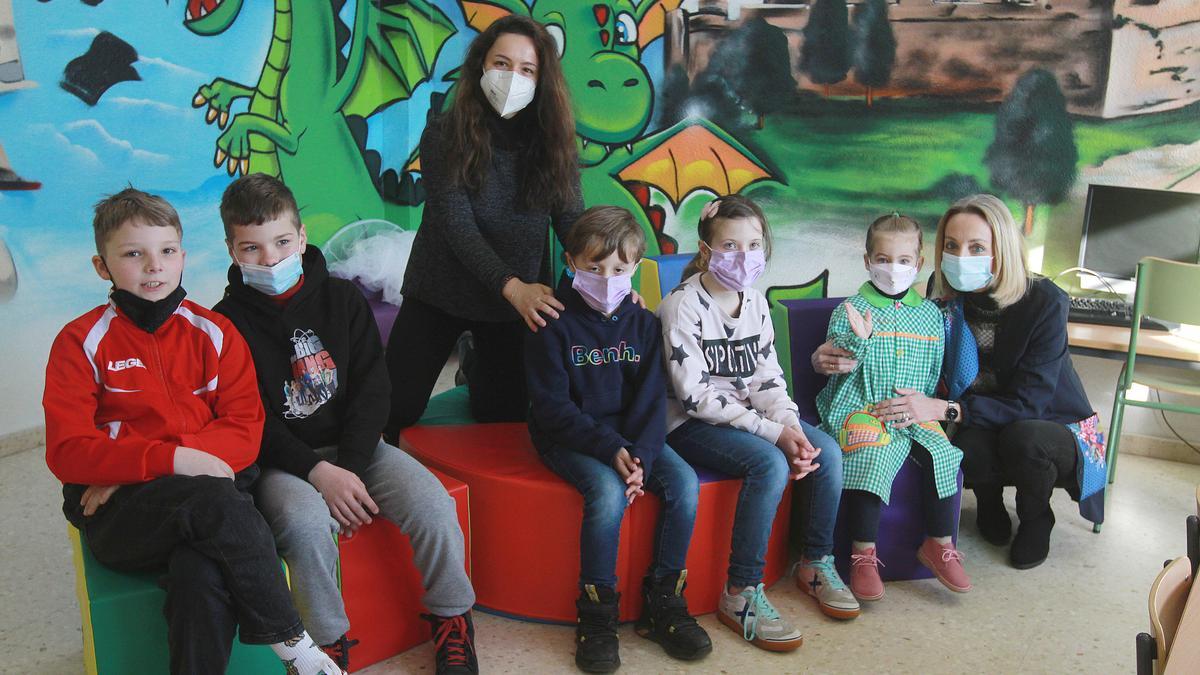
[[1078, 612]]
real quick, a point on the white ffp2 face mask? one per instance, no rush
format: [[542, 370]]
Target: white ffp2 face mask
[[892, 278], [509, 92]]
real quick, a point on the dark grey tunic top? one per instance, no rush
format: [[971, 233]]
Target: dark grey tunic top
[[469, 243]]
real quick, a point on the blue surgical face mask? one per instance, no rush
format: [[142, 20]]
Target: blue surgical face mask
[[968, 273], [275, 279]]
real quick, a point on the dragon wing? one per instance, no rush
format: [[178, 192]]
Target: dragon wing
[[403, 42], [693, 154]]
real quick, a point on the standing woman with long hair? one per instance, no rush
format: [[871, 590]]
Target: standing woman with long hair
[[499, 168]]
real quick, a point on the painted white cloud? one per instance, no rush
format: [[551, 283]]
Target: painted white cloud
[[90, 133], [56, 142], [173, 68], [77, 33], [158, 106]]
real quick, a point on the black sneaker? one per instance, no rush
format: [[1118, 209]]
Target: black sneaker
[[596, 632], [339, 651], [666, 620], [991, 517], [1031, 546], [454, 644]]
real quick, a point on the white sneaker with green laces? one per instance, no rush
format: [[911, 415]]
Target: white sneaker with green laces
[[752, 614], [820, 579]]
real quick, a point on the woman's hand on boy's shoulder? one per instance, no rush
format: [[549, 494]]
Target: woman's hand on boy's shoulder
[[531, 301]]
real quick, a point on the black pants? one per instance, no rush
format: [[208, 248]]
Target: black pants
[[222, 569], [1033, 455], [420, 343], [863, 508]]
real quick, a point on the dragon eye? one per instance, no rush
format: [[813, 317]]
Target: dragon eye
[[560, 39], [627, 30]]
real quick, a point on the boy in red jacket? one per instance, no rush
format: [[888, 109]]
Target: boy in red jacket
[[153, 423]]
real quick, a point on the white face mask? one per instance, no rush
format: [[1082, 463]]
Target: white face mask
[[508, 92], [892, 278]]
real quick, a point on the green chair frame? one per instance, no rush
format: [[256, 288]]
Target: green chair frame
[[1166, 290]]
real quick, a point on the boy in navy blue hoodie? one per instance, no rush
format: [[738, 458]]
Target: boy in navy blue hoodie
[[597, 417]]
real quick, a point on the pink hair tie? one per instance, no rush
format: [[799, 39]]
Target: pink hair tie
[[710, 209]]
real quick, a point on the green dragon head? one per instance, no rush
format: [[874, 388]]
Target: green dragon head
[[599, 43]]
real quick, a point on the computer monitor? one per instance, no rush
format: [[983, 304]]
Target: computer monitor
[[1122, 225]]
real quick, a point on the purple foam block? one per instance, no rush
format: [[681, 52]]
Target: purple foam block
[[385, 312], [901, 529], [808, 322]]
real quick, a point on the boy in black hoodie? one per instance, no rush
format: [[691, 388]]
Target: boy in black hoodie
[[325, 388], [597, 394]]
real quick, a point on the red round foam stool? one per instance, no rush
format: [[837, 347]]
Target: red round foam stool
[[525, 526]]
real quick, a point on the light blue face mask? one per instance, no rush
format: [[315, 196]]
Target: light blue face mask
[[275, 279], [968, 273]]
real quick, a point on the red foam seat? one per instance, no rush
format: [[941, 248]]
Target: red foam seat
[[526, 526], [382, 588]]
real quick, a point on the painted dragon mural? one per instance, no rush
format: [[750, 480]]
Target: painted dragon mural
[[296, 123]]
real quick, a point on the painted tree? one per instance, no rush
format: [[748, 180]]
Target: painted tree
[[755, 60], [709, 96], [874, 51], [825, 53], [1033, 155]]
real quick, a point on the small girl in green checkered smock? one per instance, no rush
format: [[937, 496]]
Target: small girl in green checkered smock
[[895, 336]]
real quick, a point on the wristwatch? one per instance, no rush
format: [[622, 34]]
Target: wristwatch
[[951, 411]]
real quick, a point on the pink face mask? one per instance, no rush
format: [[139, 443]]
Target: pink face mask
[[601, 293], [737, 270]]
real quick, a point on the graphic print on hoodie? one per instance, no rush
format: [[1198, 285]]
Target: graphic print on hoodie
[[314, 376]]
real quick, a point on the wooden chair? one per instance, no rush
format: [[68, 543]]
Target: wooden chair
[[1167, 598]]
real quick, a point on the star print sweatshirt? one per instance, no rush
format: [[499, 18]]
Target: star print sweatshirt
[[720, 369], [596, 384]]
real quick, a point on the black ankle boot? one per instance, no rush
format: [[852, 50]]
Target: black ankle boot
[[991, 517], [665, 619], [596, 632], [1031, 546]]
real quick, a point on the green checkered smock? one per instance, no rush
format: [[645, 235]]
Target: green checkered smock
[[904, 350]]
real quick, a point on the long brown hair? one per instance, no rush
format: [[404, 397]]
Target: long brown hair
[[549, 169], [730, 207]]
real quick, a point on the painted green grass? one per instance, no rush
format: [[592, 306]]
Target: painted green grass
[[844, 162]]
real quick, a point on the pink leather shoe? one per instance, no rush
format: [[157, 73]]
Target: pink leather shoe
[[946, 564], [865, 582]]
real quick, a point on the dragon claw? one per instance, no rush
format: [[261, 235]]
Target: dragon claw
[[199, 100], [219, 159], [244, 166], [232, 166], [225, 118], [210, 115]]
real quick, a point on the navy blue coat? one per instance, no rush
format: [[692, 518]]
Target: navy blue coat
[[1034, 375]]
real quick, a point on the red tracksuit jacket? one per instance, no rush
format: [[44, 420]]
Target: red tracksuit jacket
[[119, 400]]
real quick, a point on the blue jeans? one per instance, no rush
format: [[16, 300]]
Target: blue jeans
[[671, 478], [764, 471]]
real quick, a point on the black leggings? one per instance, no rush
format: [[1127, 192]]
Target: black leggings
[[863, 508], [421, 341], [1033, 455]]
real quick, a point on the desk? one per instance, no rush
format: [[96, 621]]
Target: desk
[[1112, 342]]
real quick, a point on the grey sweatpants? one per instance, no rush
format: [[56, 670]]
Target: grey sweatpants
[[407, 494]]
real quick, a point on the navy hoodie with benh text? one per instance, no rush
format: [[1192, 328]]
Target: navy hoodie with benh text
[[596, 383]]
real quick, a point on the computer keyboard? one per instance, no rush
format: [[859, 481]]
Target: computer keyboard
[[1108, 312]]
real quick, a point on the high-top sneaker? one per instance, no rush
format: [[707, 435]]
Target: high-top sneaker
[[666, 620], [596, 633]]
